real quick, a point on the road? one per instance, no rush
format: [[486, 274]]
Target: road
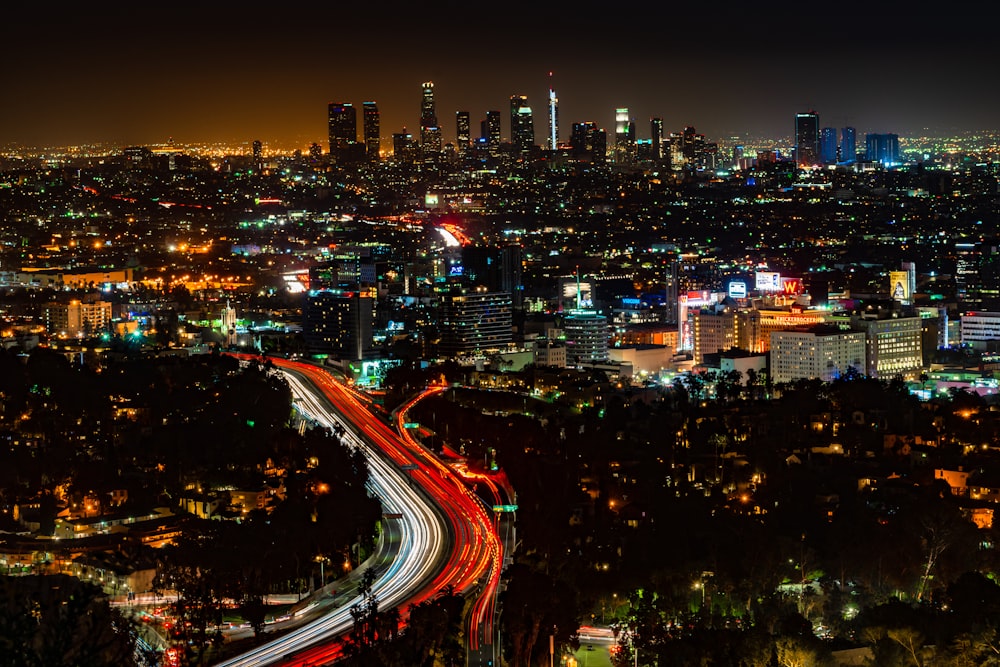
[[447, 537]]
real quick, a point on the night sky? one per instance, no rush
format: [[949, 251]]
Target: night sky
[[140, 72]]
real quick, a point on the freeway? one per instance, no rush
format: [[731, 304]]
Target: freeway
[[448, 539]]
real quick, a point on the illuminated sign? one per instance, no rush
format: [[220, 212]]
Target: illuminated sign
[[768, 281], [738, 289], [899, 285], [431, 200], [792, 286]]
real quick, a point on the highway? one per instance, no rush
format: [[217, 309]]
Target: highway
[[447, 538]]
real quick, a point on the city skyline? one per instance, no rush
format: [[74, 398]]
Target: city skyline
[[225, 74]]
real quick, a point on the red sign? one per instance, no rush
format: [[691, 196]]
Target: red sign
[[792, 286]]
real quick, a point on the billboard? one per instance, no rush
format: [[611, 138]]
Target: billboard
[[737, 289], [791, 286], [768, 281], [899, 285]]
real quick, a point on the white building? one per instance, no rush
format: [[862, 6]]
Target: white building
[[978, 327], [893, 346], [816, 352]]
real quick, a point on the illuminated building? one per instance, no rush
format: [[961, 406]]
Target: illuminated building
[[586, 334], [893, 346], [474, 322], [828, 145], [759, 324], [430, 132], [977, 274], [883, 148], [404, 148], [371, 130], [553, 120], [978, 327], [588, 143], [807, 139], [821, 351], [490, 130], [340, 322], [624, 136], [463, 130], [522, 125], [342, 121], [848, 145], [656, 137], [75, 278], [258, 155], [76, 318], [713, 330]]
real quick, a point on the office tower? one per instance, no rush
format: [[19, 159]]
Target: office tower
[[848, 145], [553, 120], [882, 148], [403, 146], [491, 132], [371, 130], [474, 322], [522, 125], [656, 137], [430, 132], [340, 322], [821, 351], [807, 139], [343, 128], [511, 274], [828, 145], [587, 142], [586, 337], [624, 136], [893, 346], [463, 130], [258, 155], [315, 152]]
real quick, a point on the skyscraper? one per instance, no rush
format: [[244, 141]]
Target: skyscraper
[[430, 132], [522, 125], [656, 137], [828, 145], [491, 132], [463, 130], [342, 121], [807, 139], [553, 119], [848, 145], [624, 136], [882, 148], [371, 130]]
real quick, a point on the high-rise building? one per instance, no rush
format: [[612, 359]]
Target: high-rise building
[[807, 139], [893, 346], [463, 130], [76, 318], [553, 120], [491, 133], [474, 322], [258, 155], [404, 148], [340, 322], [656, 137], [522, 125], [342, 120], [586, 337], [882, 148], [371, 130], [848, 145], [828, 145], [588, 143], [430, 132], [822, 351], [624, 136]]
